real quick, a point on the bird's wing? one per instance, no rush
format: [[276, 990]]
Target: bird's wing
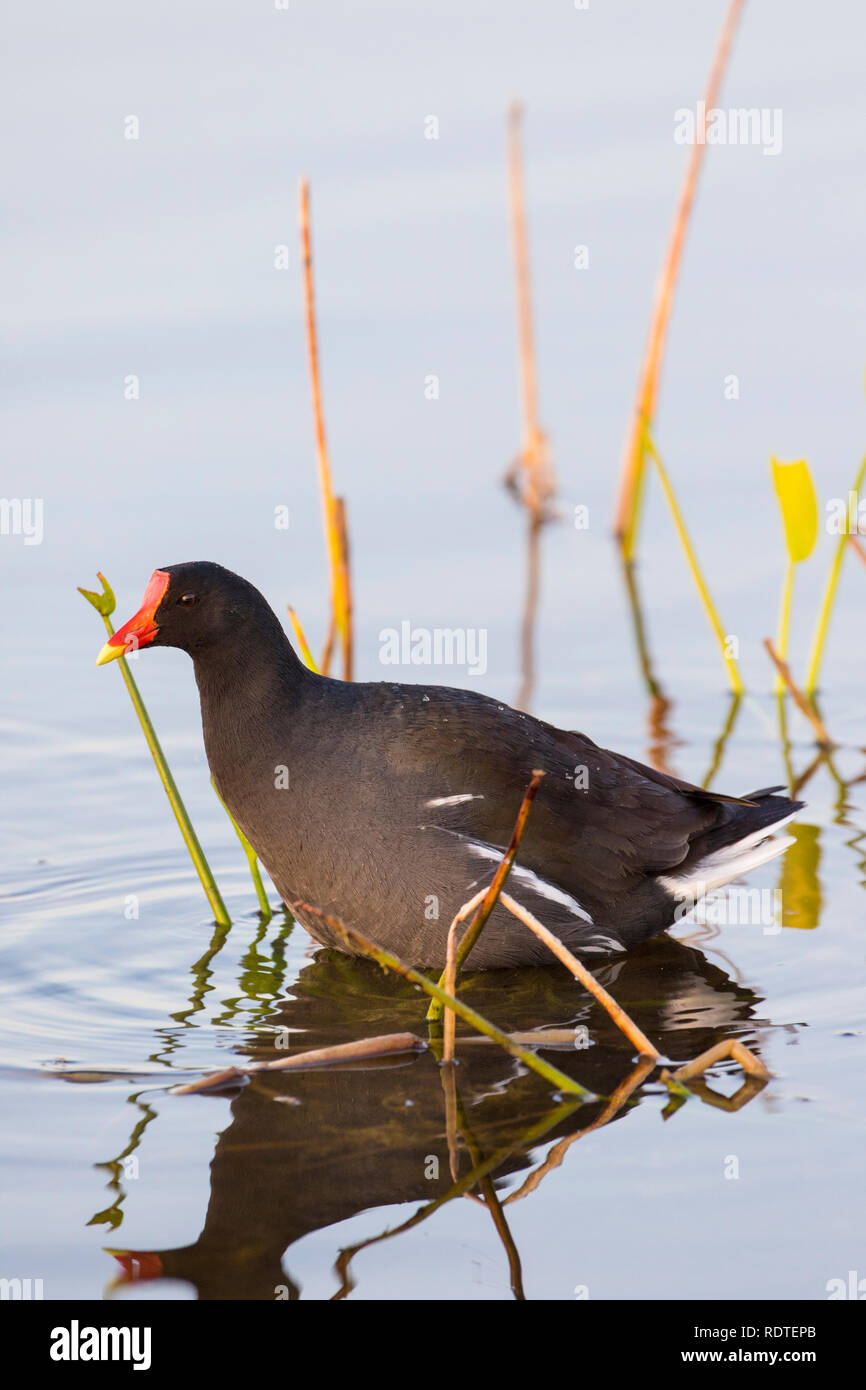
[[601, 822]]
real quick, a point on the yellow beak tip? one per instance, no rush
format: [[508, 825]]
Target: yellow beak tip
[[108, 653]]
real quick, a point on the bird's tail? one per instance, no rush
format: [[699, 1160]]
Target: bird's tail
[[744, 841]]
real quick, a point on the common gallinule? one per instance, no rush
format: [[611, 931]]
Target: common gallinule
[[390, 805]]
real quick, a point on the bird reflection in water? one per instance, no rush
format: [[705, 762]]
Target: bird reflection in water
[[307, 1150]]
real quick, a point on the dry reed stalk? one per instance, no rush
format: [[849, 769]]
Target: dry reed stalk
[[449, 977], [489, 896], [339, 1055], [580, 973], [805, 706], [633, 465], [360, 945], [530, 477], [721, 1052], [338, 558], [858, 546]]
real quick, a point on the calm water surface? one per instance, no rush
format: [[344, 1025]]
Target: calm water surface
[[241, 1195], [157, 259]]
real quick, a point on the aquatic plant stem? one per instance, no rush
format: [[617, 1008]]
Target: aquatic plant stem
[[252, 861], [449, 977], [190, 839], [820, 637], [340, 604], [530, 477], [784, 622], [473, 931], [633, 460], [346, 588], [358, 943], [533, 461], [806, 707], [579, 971], [692, 562], [303, 645]]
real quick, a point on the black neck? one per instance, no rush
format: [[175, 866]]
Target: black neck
[[248, 688]]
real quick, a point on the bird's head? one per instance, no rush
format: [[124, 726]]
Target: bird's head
[[194, 606]]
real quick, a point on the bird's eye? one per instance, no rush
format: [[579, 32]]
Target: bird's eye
[[187, 600]]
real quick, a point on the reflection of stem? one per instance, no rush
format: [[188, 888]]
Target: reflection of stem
[[494, 1206], [808, 773], [721, 741], [639, 628], [201, 975], [662, 739], [468, 1181], [360, 945], [785, 741], [580, 972], [751, 1087], [112, 1216], [635, 1078], [857, 545], [449, 1086], [530, 614], [806, 707]]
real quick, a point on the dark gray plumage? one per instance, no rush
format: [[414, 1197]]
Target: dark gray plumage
[[388, 805]]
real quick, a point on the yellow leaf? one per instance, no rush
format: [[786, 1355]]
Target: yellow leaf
[[796, 494]]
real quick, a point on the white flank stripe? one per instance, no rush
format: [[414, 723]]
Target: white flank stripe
[[519, 875], [531, 880], [453, 800]]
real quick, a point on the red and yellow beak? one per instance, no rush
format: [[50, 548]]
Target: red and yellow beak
[[141, 628]]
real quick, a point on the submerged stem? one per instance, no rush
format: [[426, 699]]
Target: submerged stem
[[196, 853]]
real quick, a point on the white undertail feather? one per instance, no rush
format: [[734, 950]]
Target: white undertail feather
[[724, 865]]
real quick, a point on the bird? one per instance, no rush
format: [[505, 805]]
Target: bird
[[388, 806]]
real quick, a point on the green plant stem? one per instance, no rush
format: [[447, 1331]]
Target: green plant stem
[[784, 622], [252, 860], [473, 931], [196, 853], [692, 561], [823, 623], [475, 1020]]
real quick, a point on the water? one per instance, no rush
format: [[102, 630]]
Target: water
[[113, 986]]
